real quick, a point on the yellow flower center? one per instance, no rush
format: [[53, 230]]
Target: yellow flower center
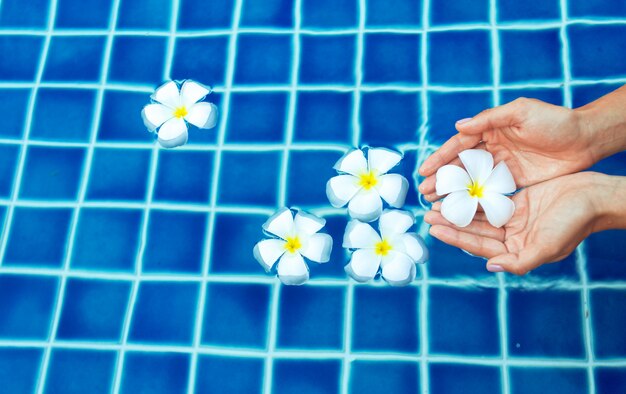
[[382, 248], [293, 244], [368, 180], [180, 112], [475, 190]]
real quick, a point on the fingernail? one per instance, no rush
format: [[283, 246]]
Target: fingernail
[[464, 120], [495, 268], [421, 188]]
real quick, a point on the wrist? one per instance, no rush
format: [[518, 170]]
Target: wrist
[[607, 196]]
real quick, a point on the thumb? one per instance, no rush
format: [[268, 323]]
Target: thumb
[[493, 118], [516, 263]]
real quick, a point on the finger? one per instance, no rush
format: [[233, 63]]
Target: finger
[[481, 229], [479, 216], [476, 245], [447, 152], [428, 185], [493, 118], [432, 197], [517, 263]]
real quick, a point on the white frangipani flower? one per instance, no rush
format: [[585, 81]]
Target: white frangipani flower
[[394, 250], [481, 183], [363, 183], [297, 237], [172, 109]]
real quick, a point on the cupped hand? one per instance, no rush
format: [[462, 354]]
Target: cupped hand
[[538, 141], [550, 220]]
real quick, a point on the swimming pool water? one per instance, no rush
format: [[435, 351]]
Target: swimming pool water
[[128, 268]]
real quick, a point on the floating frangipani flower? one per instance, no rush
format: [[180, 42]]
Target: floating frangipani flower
[[363, 183], [394, 250], [296, 237], [173, 108], [482, 183]]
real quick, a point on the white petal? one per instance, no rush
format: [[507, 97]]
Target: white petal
[[352, 162], [154, 115], [398, 269], [292, 270], [459, 208], [381, 160], [340, 189], [192, 92], [360, 235], [393, 189], [318, 248], [498, 208], [478, 164], [280, 224], [173, 133], [268, 251], [366, 205], [450, 179], [307, 223], [500, 180], [363, 265], [168, 94], [202, 115], [414, 246], [394, 222]]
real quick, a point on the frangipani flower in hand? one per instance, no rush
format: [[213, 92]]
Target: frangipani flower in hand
[[296, 237], [364, 182], [172, 109], [395, 250], [481, 183]]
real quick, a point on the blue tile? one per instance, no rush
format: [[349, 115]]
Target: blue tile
[[200, 14], [144, 14], [308, 173], [52, 173], [265, 117], [605, 253], [398, 13], [450, 262], [541, 60], [584, 94], [315, 52], [444, 109], [93, 310], [323, 117], [230, 313], [18, 13], [385, 319], [29, 314], [201, 58], [261, 171], [335, 227], [177, 251], [537, 380], [456, 314], [595, 51], [155, 373], [118, 174], [24, 60], [549, 95], [389, 118], [545, 323], [15, 104], [613, 165], [120, 119], [329, 13], [277, 13], [38, 237], [177, 301], [384, 377], [514, 10], [392, 58], [459, 11], [114, 234], [407, 168], [3, 212], [463, 379], [610, 379], [445, 50], [87, 14], [231, 256], [183, 176], [595, 8], [63, 115], [236, 375], [74, 58], [9, 155], [307, 376], [19, 369], [80, 371], [564, 269], [302, 308], [608, 317], [131, 55], [263, 59]]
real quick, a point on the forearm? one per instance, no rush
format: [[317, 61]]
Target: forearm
[[609, 202]]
